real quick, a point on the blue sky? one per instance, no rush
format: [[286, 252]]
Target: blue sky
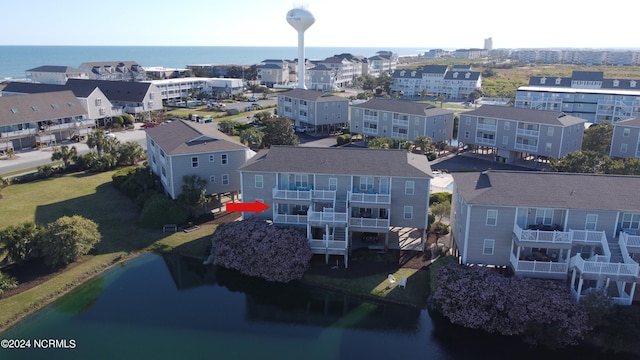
[[339, 23]]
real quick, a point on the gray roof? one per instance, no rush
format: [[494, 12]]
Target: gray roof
[[587, 75], [119, 66], [78, 88], [30, 108], [126, 91], [526, 115], [435, 69], [607, 83], [550, 81], [270, 66], [312, 95], [550, 190], [56, 69], [633, 122], [407, 73], [340, 161], [462, 75], [182, 137], [403, 107], [320, 67]]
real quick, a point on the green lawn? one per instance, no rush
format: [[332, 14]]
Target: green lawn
[[94, 197]]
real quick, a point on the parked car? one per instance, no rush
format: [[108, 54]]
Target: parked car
[[252, 99]]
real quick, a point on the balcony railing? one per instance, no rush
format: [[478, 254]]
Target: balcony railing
[[541, 237], [282, 194], [289, 219], [24, 132], [328, 245], [398, 135], [370, 131], [526, 132], [488, 127], [369, 223], [630, 242], [526, 147], [328, 217], [533, 267], [400, 122], [485, 141], [325, 195], [369, 198], [601, 268]]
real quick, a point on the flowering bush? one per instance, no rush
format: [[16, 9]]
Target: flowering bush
[[255, 248], [540, 311]]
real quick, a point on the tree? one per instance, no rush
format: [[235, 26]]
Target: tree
[[474, 95], [384, 81], [130, 152], [65, 154], [7, 282], [97, 140], [159, 210], [227, 126], [257, 248], [380, 143], [597, 138], [22, 242], [424, 143], [194, 192], [68, 238], [279, 131], [580, 162], [442, 209], [368, 82], [251, 137]]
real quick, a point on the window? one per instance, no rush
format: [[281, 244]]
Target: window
[[212, 158], [507, 124], [549, 131], [505, 140], [544, 216], [492, 217], [547, 147], [630, 221], [259, 181], [194, 162], [468, 121], [487, 247], [212, 179], [408, 212], [623, 148], [225, 179], [366, 182], [626, 132], [409, 187], [466, 134], [333, 184], [301, 181], [592, 220], [98, 102], [224, 159]]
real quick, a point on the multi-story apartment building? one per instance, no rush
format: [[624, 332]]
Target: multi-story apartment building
[[99, 108], [347, 68], [401, 120], [382, 62], [274, 72], [314, 110], [51, 74], [322, 78], [130, 97], [40, 119], [625, 142], [437, 80], [344, 197], [114, 70], [176, 89], [183, 148], [550, 225], [514, 133], [580, 57], [586, 94]]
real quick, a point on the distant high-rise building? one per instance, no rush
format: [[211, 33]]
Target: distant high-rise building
[[488, 44]]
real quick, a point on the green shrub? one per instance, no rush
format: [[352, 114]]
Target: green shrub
[[440, 228], [432, 156], [7, 282], [159, 210], [440, 197], [68, 238], [343, 139]]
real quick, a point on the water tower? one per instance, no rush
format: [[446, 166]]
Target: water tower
[[300, 19]]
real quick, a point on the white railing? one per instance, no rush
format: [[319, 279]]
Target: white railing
[[323, 195], [539, 267], [487, 127], [289, 219], [485, 141], [291, 194], [369, 222], [61, 126], [370, 131], [629, 241], [370, 118], [399, 135], [603, 268], [526, 132], [19, 133], [540, 236], [327, 216], [369, 198], [526, 147], [589, 237], [322, 246], [400, 122]]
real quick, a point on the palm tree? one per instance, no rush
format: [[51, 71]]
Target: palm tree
[[65, 154], [97, 140], [424, 143], [130, 152], [251, 137]]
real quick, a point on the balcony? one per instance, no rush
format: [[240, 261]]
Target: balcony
[[18, 133], [598, 268], [370, 131], [290, 219], [327, 216], [543, 269], [485, 141], [369, 198], [397, 135], [526, 147], [323, 195], [369, 223], [328, 246], [542, 238], [400, 122], [527, 132], [487, 127], [292, 194]]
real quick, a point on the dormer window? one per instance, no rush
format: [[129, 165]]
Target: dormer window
[[401, 73], [35, 108], [558, 80], [616, 83], [455, 74], [413, 73], [14, 111], [543, 80], [467, 75], [632, 83]]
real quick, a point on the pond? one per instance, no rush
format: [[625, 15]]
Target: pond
[[168, 306]]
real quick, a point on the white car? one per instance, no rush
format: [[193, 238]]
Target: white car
[[109, 134], [252, 99]]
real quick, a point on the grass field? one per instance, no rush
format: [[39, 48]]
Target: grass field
[[94, 197]]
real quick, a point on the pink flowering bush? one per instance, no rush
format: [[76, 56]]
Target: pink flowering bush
[[540, 311], [255, 248]]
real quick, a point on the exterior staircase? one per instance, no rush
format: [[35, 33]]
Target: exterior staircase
[[339, 234], [616, 253]]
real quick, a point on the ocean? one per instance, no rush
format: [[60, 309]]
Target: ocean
[[15, 60]]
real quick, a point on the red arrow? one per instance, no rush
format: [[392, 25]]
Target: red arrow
[[256, 207]]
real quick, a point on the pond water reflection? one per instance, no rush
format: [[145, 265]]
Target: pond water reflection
[[172, 307]]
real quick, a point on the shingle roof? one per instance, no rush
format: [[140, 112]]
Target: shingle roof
[[462, 75], [312, 95], [340, 161], [434, 69], [182, 137], [633, 122], [128, 91], [527, 115], [270, 66], [30, 108], [587, 75], [56, 69], [79, 89], [550, 190], [403, 107]]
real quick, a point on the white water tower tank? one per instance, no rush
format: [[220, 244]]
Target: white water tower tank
[[300, 19]]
